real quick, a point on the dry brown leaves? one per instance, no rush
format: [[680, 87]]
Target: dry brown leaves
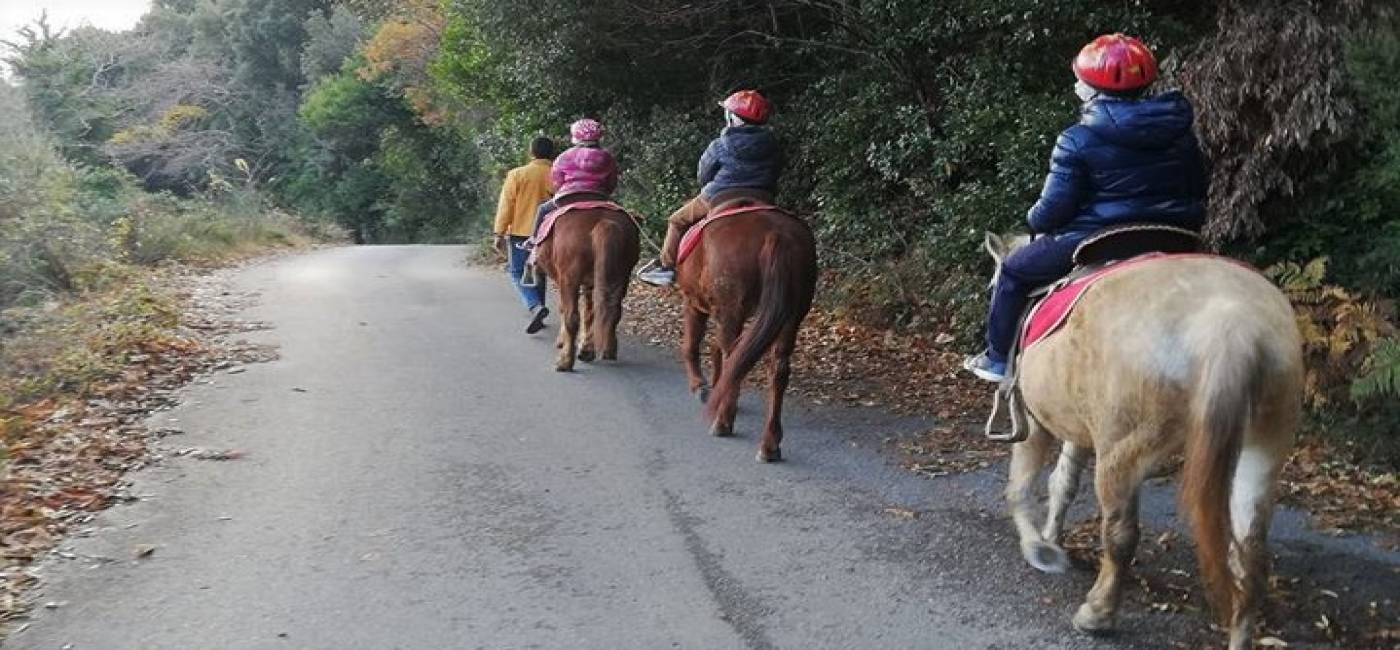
[[1299, 611], [1342, 495], [68, 453]]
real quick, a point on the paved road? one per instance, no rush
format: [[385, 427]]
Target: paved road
[[417, 476]]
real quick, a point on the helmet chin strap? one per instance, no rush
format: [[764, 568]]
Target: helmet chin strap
[[730, 119], [1085, 92]]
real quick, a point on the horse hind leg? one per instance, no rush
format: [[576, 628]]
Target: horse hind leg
[[725, 337], [694, 335], [588, 306], [1251, 511], [1117, 479], [779, 373], [610, 316], [568, 326]]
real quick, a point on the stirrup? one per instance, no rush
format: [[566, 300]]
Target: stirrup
[[1010, 395], [530, 277]]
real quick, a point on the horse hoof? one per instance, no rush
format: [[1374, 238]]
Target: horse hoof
[[1045, 557], [586, 356], [719, 430], [610, 356], [775, 456], [1090, 621]]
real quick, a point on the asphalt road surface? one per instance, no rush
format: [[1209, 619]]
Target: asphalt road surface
[[417, 476]]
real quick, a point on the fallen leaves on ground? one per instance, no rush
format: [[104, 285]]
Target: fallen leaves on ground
[[1299, 610], [1341, 494], [69, 450]]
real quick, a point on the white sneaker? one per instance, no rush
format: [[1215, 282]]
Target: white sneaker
[[656, 275]]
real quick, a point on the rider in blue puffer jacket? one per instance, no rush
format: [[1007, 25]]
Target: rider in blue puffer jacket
[[1131, 158]]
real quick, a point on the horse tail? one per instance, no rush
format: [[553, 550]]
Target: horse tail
[[1231, 371], [608, 235], [775, 310]]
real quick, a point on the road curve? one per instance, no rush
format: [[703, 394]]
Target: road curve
[[417, 476]]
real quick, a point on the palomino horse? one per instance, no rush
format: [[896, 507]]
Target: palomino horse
[[761, 264], [590, 251], [1196, 354]]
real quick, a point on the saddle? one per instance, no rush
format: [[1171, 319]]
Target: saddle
[[1104, 252], [691, 240], [547, 226]]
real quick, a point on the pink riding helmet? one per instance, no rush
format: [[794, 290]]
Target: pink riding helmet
[[586, 130]]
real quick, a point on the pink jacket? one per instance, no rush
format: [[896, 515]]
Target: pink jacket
[[584, 169]]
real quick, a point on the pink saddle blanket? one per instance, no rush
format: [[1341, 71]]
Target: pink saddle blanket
[[1054, 309], [691, 240], [547, 226]]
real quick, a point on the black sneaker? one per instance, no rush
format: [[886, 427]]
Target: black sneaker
[[537, 319]]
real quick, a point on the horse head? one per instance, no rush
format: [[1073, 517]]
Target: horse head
[[1002, 246]]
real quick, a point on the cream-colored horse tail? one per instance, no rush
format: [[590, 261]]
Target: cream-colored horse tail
[[1229, 349]]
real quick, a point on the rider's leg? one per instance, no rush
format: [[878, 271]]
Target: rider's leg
[[530, 276], [680, 221], [663, 272], [1037, 264], [532, 296], [541, 212]]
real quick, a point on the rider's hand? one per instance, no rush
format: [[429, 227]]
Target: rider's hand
[[500, 244]]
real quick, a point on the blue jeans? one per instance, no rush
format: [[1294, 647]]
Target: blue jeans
[[531, 296], [1039, 263]]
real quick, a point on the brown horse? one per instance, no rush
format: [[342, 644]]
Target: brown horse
[[1196, 354], [590, 253], [762, 265]]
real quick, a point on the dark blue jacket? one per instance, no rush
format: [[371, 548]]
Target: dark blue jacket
[[746, 156], [1126, 160]]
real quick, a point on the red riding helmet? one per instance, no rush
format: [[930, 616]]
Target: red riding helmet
[[1116, 63], [749, 105]]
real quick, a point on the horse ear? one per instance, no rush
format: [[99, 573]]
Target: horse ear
[[996, 247]]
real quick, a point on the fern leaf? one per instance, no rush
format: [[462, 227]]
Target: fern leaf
[[1381, 377]]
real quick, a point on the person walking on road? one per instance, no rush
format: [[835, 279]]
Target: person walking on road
[[523, 191]]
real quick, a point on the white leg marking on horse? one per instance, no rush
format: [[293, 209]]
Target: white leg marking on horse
[[1250, 487]]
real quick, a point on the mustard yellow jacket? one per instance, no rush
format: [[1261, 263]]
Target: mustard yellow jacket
[[525, 188]]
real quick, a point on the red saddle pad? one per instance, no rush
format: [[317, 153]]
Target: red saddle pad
[[1053, 310], [548, 224], [691, 240]]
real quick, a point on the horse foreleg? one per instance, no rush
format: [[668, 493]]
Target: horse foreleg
[[587, 351], [1116, 480], [1064, 485], [695, 321], [779, 372], [1027, 459], [726, 334], [568, 326]]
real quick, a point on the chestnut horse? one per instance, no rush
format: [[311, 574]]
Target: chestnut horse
[[590, 254], [1197, 354], [763, 265]]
